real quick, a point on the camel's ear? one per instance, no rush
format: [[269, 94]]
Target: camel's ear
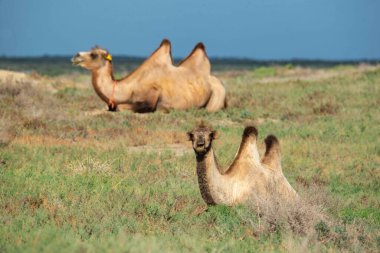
[[108, 57], [190, 135], [213, 134]]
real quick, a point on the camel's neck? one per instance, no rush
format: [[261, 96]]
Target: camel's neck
[[209, 177], [104, 85]]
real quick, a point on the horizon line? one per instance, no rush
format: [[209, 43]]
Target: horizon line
[[236, 58]]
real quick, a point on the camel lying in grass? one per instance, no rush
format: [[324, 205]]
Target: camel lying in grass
[[157, 84], [248, 177]]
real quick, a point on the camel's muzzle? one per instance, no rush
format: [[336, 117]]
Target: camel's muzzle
[[77, 59], [200, 146], [200, 150]]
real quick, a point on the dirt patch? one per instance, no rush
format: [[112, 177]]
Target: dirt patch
[[226, 122], [321, 103], [177, 149], [308, 74], [14, 78], [49, 141]]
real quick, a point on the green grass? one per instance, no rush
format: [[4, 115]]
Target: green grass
[[264, 72], [75, 178]]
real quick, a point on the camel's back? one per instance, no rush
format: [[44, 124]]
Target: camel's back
[[179, 87], [183, 88], [266, 182]]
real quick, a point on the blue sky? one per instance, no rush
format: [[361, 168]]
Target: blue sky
[[259, 29]]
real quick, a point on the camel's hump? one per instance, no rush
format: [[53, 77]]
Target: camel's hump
[[197, 60], [200, 45], [165, 42], [249, 131], [271, 141]]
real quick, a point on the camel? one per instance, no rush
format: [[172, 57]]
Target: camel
[[156, 84], [248, 178]]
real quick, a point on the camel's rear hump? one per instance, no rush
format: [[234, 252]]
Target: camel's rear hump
[[272, 156], [197, 60]]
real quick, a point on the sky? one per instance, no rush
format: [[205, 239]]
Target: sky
[[256, 29]]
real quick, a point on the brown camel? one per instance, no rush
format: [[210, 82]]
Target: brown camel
[[157, 84], [247, 178]]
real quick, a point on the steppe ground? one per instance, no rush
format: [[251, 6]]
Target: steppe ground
[[77, 178]]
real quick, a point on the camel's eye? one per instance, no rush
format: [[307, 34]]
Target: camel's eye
[[190, 135], [93, 56]]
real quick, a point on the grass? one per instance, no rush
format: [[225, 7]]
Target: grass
[[76, 178], [264, 72]]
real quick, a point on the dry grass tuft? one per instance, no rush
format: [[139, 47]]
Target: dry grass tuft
[[26, 99], [321, 103], [7, 131], [90, 164], [300, 216], [307, 223]]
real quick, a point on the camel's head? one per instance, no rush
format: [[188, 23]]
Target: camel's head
[[93, 59], [202, 138]]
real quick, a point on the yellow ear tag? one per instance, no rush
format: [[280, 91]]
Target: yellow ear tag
[[109, 57]]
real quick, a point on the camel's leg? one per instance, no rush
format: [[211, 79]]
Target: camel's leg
[[272, 157], [125, 107], [217, 100], [149, 104], [112, 108], [162, 109]]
